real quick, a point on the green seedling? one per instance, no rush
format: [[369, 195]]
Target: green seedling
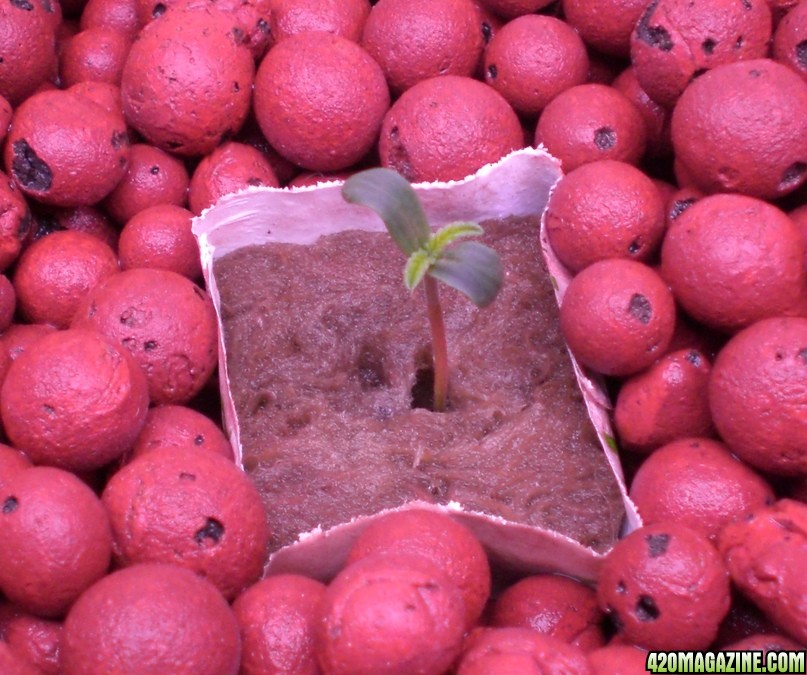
[[468, 266]]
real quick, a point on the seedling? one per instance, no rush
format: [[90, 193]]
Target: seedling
[[468, 266]]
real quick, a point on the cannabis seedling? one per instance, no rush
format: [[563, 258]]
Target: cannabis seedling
[[470, 267]]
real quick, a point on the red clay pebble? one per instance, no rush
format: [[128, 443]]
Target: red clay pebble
[[152, 177], [605, 25], [415, 41], [86, 219], [73, 400], [56, 538], [95, 54], [756, 394], [665, 587], [469, 125], [675, 41], [604, 209], [151, 619], [119, 15], [392, 613], [519, 650], [229, 168], [5, 117], [790, 40], [187, 81], [57, 272], [16, 339], [656, 117], [726, 138], [444, 541], [165, 321], [8, 302], [731, 260], [278, 618], [106, 95], [320, 100], [667, 401], [697, 482], [66, 150], [617, 316], [617, 659], [534, 58], [764, 555], [15, 221], [311, 178], [35, 640], [190, 508], [553, 605], [13, 664], [510, 9], [12, 461], [764, 642], [680, 201], [590, 122], [160, 237], [345, 18], [175, 426]]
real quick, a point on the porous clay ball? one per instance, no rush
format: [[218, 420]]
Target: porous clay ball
[[605, 25], [165, 321], [15, 221], [590, 122], [414, 41], [96, 54], [73, 399], [790, 40], [12, 663], [119, 15], [390, 613], [190, 508], [680, 201], [66, 150], [57, 540], [12, 461], [604, 209], [553, 605], [510, 9], [617, 316], [665, 587], [446, 128], [618, 659], [16, 339], [444, 541], [151, 618], [669, 400], [106, 95], [764, 555], [320, 100], [8, 302], [340, 17], [5, 117], [764, 643], [36, 640], [175, 426], [57, 272], [731, 260], [675, 41], [756, 394], [85, 219], [278, 617], [229, 168], [187, 81], [160, 237], [697, 482], [534, 58], [311, 178], [656, 117], [152, 177], [519, 650], [726, 138]]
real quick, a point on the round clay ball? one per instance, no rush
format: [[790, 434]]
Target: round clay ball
[[278, 619], [446, 128], [12, 461], [152, 177], [16, 339], [415, 41], [675, 41], [790, 40], [8, 302], [165, 321], [726, 138], [590, 122], [66, 150], [320, 100], [187, 81], [605, 25], [119, 15], [74, 400], [151, 618], [36, 640], [95, 54], [190, 508], [175, 426], [390, 613], [756, 395], [617, 316], [665, 587], [160, 237], [601, 210], [618, 659], [6, 113], [656, 117], [84, 219], [57, 272], [57, 540], [731, 260], [345, 18], [510, 9], [15, 221], [534, 58]]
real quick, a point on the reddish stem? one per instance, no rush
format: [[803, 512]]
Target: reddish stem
[[439, 348]]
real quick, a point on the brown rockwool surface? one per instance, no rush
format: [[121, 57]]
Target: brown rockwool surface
[[324, 348]]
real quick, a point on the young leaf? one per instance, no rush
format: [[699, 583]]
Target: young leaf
[[391, 196], [473, 269], [450, 233], [416, 268]]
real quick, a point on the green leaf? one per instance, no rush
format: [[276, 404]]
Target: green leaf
[[610, 441], [416, 268], [473, 269], [450, 233], [391, 196]]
